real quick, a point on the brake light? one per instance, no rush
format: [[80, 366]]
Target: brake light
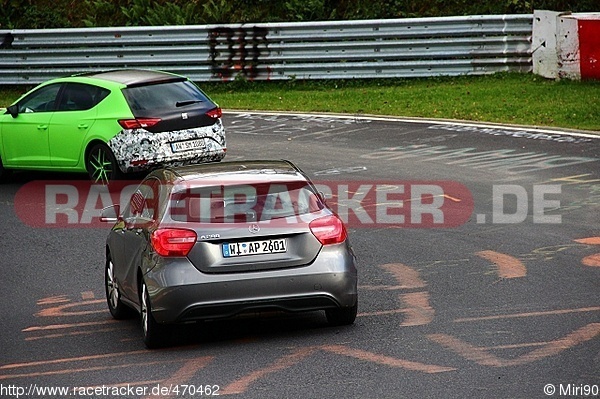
[[173, 242], [328, 230], [139, 162], [138, 123], [215, 113]]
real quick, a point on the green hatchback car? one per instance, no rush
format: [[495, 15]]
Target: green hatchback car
[[111, 123]]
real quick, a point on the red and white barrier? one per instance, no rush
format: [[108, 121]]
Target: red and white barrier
[[566, 45]]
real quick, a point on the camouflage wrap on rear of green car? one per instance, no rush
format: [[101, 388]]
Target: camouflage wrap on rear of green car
[[138, 149]]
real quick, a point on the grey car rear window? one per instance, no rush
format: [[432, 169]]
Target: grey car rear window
[[244, 202]]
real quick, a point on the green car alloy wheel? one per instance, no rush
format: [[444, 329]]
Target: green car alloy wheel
[[101, 164]]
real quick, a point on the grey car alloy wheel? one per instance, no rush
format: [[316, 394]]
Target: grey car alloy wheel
[[113, 297], [153, 333]]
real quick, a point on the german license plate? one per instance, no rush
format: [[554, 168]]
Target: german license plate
[[188, 145], [231, 249]]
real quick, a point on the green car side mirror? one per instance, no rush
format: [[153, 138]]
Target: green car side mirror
[[13, 110]]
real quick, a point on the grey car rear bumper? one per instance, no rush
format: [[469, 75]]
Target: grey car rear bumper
[[179, 292]]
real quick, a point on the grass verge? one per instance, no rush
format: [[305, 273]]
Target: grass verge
[[513, 98]]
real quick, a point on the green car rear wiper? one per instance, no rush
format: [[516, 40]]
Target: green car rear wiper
[[187, 102]]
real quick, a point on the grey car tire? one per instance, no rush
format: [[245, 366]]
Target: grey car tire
[[153, 333], [341, 316], [117, 308]]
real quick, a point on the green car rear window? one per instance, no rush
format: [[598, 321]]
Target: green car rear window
[[164, 96]]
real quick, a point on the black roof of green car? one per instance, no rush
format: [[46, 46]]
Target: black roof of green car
[[135, 77]]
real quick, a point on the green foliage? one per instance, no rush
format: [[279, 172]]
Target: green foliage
[[154, 13], [305, 10], [8, 13], [40, 18], [31, 14], [103, 13], [217, 11]]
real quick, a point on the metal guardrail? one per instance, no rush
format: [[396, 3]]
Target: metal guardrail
[[416, 47]]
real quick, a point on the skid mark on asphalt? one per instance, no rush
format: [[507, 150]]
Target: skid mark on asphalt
[[417, 309], [72, 334], [412, 294], [529, 314], [71, 325], [90, 369], [187, 370], [184, 374], [68, 360], [66, 309], [386, 360], [591, 260], [84, 360], [87, 295], [549, 253], [62, 306], [508, 266], [415, 305], [482, 355], [406, 277], [589, 241], [53, 300], [243, 384]]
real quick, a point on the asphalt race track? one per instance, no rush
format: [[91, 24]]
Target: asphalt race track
[[479, 254]]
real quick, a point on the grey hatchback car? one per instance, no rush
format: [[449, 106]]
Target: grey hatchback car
[[217, 240]]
